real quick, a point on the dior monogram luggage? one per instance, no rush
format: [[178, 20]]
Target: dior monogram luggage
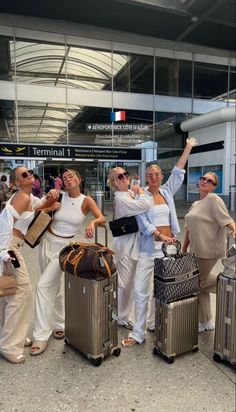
[[176, 275], [225, 325], [176, 328], [90, 316]]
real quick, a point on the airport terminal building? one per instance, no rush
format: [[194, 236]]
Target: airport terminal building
[[117, 82]]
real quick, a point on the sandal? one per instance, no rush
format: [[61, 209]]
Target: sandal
[[38, 347], [14, 358], [59, 334], [129, 342]]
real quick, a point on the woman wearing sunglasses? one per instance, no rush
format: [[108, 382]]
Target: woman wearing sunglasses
[[16, 310], [126, 248], [206, 224], [68, 219], [158, 225]]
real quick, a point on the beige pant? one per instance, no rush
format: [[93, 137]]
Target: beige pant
[[208, 285], [16, 310]]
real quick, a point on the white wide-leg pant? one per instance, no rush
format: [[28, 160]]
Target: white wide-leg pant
[[49, 303], [126, 272], [143, 286], [16, 310]]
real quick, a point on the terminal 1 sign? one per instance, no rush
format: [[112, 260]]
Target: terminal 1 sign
[[68, 152]]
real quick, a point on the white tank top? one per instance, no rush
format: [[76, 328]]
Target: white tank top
[[67, 220]]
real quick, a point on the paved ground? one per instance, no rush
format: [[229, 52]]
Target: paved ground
[[62, 380]]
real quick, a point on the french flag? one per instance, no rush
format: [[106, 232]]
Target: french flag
[[118, 116]]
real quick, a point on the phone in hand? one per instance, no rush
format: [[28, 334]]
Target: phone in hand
[[15, 263]]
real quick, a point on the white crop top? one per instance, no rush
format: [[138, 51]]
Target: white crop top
[[67, 220], [160, 215], [25, 218]]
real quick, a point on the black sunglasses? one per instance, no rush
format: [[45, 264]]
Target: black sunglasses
[[122, 175], [209, 181], [27, 173]]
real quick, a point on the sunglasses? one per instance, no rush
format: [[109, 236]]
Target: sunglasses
[[120, 176], [27, 173], [208, 181]]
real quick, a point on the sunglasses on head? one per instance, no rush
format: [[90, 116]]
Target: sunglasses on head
[[120, 176], [208, 181], [27, 173]]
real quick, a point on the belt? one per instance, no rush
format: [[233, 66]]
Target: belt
[[63, 237]]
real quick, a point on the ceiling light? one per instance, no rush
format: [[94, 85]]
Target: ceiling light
[[194, 19]]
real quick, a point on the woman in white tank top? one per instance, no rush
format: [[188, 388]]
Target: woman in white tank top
[[16, 310], [70, 214]]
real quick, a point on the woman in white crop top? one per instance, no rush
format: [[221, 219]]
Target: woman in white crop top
[[70, 215], [16, 310], [158, 225]]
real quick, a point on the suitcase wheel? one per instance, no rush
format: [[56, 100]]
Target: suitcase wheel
[[66, 340], [195, 349], [170, 360], [116, 352], [96, 362], [155, 351], [217, 358]]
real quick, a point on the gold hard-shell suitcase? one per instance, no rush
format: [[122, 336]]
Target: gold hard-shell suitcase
[[90, 316], [176, 328]]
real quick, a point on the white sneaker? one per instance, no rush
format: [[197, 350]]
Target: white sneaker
[[202, 327]]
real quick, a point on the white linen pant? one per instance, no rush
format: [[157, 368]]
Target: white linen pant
[[16, 310], [126, 271], [143, 286], [49, 303]]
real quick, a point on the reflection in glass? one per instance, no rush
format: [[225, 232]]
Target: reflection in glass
[[210, 81], [8, 131], [173, 77], [136, 76]]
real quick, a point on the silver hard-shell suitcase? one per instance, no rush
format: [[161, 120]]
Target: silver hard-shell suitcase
[[225, 325], [176, 328], [90, 316]]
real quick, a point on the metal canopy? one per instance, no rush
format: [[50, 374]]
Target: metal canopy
[[204, 22]]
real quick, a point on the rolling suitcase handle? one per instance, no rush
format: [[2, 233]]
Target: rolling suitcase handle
[[104, 226]]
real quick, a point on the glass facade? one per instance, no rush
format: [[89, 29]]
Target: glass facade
[[173, 77], [64, 94]]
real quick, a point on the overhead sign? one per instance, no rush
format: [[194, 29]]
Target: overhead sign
[[121, 127], [68, 152]]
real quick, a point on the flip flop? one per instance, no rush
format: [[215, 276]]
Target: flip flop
[[58, 334], [38, 347], [129, 342]]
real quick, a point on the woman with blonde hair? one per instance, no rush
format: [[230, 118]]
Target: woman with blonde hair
[[158, 225], [70, 215], [206, 224], [126, 248], [16, 310]]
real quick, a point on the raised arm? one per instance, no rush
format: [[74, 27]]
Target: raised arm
[[190, 143]]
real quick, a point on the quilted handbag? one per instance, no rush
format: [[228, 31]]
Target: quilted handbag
[[90, 260], [37, 228], [123, 226], [176, 276], [7, 285]]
